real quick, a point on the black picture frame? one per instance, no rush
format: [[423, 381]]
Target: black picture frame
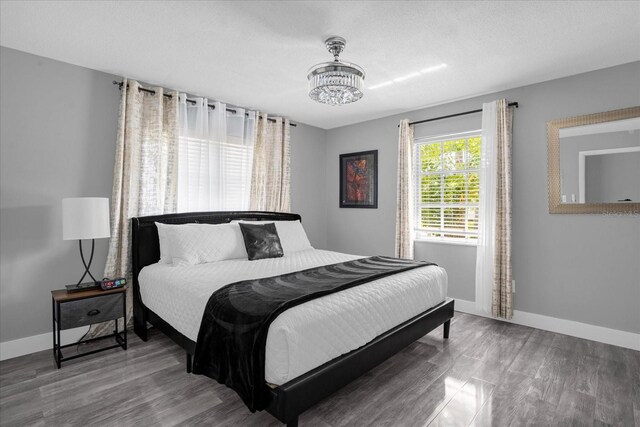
[[359, 180]]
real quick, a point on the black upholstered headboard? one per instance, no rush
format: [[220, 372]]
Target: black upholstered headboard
[[145, 248]]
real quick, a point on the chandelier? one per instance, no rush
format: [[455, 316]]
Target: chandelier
[[336, 82]]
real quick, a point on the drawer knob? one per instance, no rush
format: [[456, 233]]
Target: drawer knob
[[93, 312]]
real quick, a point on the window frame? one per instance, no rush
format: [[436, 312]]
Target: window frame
[[420, 234]]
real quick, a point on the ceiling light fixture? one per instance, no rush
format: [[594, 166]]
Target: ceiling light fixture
[[336, 82]]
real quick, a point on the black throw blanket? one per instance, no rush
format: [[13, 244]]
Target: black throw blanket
[[233, 333]]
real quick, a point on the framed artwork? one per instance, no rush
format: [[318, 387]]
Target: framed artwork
[[359, 180]]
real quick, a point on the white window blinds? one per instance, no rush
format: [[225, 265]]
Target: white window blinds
[[447, 187]]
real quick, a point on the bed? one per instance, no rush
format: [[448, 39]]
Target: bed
[[298, 374]]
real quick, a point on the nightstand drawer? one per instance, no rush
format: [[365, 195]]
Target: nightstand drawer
[[91, 310]]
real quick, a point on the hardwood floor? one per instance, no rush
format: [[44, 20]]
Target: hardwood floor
[[488, 373]]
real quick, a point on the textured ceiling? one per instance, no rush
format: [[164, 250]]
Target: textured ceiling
[[257, 54]]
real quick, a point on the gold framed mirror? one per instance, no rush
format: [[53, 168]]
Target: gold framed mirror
[[594, 163]]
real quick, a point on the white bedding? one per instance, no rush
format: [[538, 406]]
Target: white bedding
[[306, 336]]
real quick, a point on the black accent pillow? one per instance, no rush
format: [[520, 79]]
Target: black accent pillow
[[261, 241]]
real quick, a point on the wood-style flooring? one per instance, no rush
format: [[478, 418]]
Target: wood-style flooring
[[488, 373]]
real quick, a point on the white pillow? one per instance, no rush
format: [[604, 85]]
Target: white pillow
[[291, 233], [292, 236], [200, 243], [165, 250]]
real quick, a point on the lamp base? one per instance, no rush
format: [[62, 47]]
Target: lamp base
[[87, 286]]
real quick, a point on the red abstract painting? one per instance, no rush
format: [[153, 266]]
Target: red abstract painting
[[357, 181]]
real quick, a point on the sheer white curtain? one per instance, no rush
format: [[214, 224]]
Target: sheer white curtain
[[487, 210], [493, 259], [215, 156]]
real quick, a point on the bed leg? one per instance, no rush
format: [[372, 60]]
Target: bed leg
[[189, 363], [140, 322], [293, 422], [446, 325], [140, 328]]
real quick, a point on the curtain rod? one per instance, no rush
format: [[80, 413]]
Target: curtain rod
[[511, 104], [191, 101]]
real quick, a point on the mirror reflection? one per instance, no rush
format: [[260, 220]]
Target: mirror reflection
[[600, 163]]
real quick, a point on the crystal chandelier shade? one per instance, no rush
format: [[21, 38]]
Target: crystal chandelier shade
[[337, 82]]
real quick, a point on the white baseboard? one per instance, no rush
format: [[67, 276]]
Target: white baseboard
[[22, 346], [562, 326], [35, 343]]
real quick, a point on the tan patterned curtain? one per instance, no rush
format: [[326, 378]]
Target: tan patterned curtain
[[404, 208], [493, 263], [271, 177], [145, 174], [502, 300]]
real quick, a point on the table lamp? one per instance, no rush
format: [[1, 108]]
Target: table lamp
[[85, 218]]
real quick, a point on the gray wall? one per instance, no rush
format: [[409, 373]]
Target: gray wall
[[308, 177], [584, 268], [58, 127], [57, 139]]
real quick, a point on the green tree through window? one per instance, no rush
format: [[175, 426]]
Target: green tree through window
[[448, 187]]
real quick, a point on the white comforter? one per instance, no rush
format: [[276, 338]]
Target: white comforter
[[306, 336]]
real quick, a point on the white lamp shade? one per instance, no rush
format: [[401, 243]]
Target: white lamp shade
[[85, 218]]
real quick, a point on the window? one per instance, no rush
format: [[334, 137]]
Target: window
[[447, 187], [215, 157]]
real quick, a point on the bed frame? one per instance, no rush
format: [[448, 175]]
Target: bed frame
[[289, 400]]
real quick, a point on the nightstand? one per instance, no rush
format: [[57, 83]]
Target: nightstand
[[72, 310]]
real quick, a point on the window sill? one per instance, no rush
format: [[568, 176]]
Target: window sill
[[445, 242]]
